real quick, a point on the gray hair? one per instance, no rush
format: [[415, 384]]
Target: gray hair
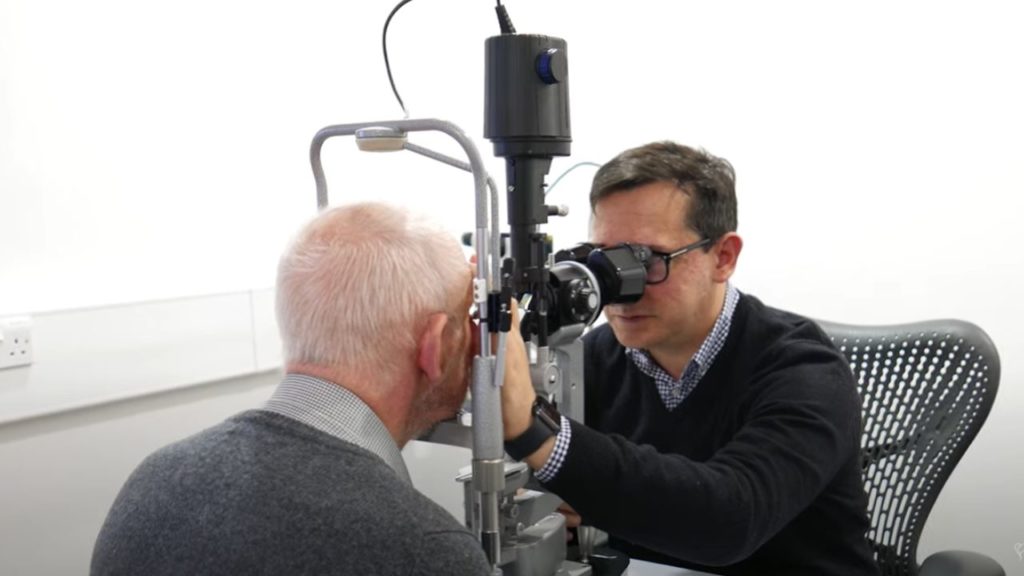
[[357, 282]]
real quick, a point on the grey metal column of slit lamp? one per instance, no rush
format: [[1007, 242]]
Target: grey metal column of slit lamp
[[487, 432]]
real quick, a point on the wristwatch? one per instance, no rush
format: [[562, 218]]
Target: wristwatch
[[547, 422]]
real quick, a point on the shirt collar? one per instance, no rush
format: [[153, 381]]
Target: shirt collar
[[709, 349], [335, 410]]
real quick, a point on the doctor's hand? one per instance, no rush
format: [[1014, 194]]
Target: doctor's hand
[[572, 518], [517, 392]]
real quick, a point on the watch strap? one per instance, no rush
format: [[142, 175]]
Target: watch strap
[[541, 428]]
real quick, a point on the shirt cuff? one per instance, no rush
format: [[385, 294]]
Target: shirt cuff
[[550, 469]]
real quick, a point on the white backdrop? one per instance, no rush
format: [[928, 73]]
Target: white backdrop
[[161, 150]]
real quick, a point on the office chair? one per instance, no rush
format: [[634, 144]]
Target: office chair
[[926, 389]]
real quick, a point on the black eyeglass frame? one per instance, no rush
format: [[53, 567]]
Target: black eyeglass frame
[[668, 257]]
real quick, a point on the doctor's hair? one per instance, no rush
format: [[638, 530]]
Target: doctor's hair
[[357, 284], [710, 182]]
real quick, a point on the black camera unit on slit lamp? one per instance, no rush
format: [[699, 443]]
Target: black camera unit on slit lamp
[[526, 116], [527, 119]]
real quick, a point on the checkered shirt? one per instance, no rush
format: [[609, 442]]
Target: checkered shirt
[[554, 463], [673, 391], [337, 411]]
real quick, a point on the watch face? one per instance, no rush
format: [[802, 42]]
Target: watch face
[[547, 413]]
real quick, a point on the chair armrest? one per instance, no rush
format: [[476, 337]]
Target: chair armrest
[[960, 563]]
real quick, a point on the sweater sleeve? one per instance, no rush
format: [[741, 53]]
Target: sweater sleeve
[[803, 424]]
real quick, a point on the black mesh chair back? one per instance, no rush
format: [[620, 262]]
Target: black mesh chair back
[[926, 389]]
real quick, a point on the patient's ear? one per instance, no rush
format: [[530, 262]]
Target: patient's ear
[[430, 353]]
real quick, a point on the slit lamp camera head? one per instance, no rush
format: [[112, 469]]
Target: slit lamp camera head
[[526, 117], [585, 278]]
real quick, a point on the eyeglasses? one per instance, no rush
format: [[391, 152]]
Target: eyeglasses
[[658, 263]]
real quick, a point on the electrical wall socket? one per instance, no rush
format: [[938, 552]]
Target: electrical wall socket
[[15, 342]]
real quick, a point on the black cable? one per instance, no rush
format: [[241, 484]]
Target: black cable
[[387, 64], [504, 22]]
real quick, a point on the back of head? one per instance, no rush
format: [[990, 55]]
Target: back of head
[[710, 181], [358, 281]]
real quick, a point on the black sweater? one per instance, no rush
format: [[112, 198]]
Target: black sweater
[[756, 472]]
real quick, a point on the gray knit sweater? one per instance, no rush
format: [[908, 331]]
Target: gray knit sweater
[[263, 494]]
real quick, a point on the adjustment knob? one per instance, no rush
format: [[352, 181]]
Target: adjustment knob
[[582, 300], [552, 66]]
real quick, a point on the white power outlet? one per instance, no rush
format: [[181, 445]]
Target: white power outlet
[[15, 342]]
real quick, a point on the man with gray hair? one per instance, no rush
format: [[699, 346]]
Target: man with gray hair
[[373, 308]]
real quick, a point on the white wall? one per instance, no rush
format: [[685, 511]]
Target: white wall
[[60, 475], [162, 151]]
